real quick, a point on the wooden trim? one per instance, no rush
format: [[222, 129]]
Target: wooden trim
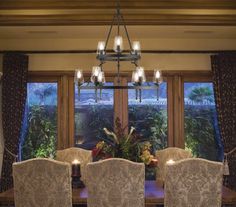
[[121, 104], [63, 141], [128, 74], [104, 4], [71, 111], [178, 113], [170, 111]]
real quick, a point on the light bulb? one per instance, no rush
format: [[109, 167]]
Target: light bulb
[[96, 71], [136, 46], [157, 74], [79, 78], [100, 77], [101, 47], [118, 44], [140, 71], [79, 74]]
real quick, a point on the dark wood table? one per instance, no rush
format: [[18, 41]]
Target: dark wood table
[[154, 194]]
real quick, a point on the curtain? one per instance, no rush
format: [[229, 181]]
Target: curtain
[[14, 91], [1, 130], [224, 80]]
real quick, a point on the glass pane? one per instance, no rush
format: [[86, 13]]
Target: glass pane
[[150, 116], [92, 117], [41, 121], [201, 127]]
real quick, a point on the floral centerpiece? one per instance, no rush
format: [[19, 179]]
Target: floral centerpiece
[[121, 145]]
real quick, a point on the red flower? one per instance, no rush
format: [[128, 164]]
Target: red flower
[[95, 152]]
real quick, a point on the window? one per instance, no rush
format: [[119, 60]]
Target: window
[[201, 127], [92, 117], [40, 126], [149, 117]]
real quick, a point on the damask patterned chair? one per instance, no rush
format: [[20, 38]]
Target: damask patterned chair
[[116, 182], [170, 153], [193, 182], [70, 154], [42, 183]]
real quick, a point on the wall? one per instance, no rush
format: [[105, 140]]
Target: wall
[[149, 61]]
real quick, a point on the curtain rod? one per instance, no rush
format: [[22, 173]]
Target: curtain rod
[[94, 51]]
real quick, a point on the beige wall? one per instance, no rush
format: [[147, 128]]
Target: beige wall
[[149, 61]]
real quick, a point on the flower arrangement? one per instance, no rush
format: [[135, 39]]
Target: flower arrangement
[[131, 146]]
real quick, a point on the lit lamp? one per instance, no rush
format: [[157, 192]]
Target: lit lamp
[[157, 79], [138, 78], [101, 48], [76, 168], [136, 47], [76, 182], [118, 44], [79, 79], [98, 78]]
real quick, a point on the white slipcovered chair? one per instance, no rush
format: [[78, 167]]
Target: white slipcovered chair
[[70, 154], [193, 182], [116, 182], [170, 153], [42, 183]]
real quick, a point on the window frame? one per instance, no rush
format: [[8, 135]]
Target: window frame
[[175, 100]]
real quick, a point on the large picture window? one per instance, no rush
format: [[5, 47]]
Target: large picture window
[[40, 125], [201, 127], [149, 117], [92, 117]]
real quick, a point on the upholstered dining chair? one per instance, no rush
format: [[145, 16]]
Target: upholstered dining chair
[[193, 182], [163, 156], [70, 154], [42, 182], [115, 182]]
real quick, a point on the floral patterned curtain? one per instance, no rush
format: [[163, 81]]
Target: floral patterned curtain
[[224, 80], [14, 91]]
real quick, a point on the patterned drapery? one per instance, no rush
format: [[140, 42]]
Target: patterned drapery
[[14, 91], [224, 80]]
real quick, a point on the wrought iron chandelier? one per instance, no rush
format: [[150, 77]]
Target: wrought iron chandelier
[[133, 54]]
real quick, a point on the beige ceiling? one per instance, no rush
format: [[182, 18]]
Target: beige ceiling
[[100, 32]]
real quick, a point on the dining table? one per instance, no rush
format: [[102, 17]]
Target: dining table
[[154, 195]]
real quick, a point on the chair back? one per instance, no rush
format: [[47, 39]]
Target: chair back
[[193, 182], [164, 155], [116, 182], [42, 183], [70, 154]]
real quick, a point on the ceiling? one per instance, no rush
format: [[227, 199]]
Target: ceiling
[[100, 32], [100, 12]]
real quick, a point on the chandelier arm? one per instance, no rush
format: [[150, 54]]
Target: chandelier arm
[[109, 33], [126, 31]]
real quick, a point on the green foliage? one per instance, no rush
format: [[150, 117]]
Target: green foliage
[[41, 138], [199, 129], [199, 132], [201, 94], [90, 121], [151, 123]]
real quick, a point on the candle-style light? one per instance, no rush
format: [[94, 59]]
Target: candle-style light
[[136, 47], [76, 168], [101, 47], [79, 79], [170, 162], [157, 79], [118, 44]]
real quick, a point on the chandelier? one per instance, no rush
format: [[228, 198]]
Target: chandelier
[[118, 55]]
